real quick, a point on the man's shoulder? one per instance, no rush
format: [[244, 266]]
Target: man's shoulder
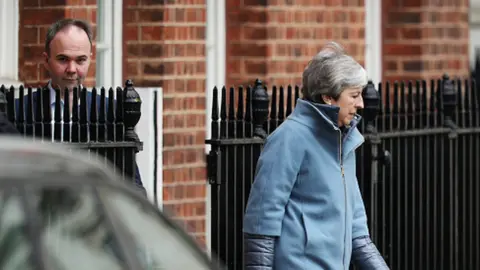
[[34, 90]]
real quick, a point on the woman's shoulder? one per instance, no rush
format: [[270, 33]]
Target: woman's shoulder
[[290, 134], [290, 129]]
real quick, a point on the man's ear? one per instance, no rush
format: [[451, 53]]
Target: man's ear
[[45, 60]]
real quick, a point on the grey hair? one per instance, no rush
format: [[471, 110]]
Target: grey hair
[[330, 72], [62, 24]]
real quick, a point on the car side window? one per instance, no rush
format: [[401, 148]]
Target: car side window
[[159, 245], [75, 231], [16, 249]]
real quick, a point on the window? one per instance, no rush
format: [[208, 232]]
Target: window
[[373, 40], [474, 15], [9, 13], [109, 43]]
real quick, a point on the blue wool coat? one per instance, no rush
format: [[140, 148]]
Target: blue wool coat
[[306, 192]]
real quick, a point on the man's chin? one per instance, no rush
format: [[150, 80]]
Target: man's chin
[[69, 87]]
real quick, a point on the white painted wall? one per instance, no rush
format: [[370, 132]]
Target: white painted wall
[[150, 132]]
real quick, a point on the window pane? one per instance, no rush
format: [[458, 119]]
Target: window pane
[[15, 246], [159, 245], [75, 232], [101, 35]]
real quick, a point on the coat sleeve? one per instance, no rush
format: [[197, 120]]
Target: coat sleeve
[[364, 252], [366, 255], [259, 252], [277, 169], [360, 227]]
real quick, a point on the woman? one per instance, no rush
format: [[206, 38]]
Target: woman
[[305, 210]]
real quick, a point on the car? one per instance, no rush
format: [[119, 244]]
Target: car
[[60, 209]]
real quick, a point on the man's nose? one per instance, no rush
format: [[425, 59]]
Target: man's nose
[[71, 67]]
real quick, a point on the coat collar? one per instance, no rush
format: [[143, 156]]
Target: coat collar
[[323, 119]]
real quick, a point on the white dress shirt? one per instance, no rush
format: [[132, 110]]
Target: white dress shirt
[[53, 95]]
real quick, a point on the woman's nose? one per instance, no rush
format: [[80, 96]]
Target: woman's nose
[[359, 104]]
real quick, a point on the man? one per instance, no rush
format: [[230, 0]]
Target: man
[[67, 57]]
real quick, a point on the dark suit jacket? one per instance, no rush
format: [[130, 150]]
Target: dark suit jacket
[[46, 95], [6, 127]]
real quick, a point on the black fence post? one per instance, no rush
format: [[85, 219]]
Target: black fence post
[[450, 184], [448, 104], [3, 99], [371, 109], [260, 103], [132, 113]]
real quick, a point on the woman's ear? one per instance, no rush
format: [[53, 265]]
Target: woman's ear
[[327, 99]]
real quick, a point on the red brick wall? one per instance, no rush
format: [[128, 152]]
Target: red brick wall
[[425, 40], [164, 46], [35, 17], [274, 42]]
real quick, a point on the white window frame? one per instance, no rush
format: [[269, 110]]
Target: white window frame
[[9, 12], [474, 30], [109, 60], [373, 40]]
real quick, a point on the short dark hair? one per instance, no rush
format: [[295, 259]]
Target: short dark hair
[[62, 24]]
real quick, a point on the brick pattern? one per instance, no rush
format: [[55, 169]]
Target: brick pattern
[[165, 47], [35, 17], [425, 39], [274, 40]]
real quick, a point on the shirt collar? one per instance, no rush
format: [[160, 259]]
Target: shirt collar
[[53, 93]]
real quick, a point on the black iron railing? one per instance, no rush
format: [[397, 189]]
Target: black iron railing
[[101, 121], [418, 169]]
